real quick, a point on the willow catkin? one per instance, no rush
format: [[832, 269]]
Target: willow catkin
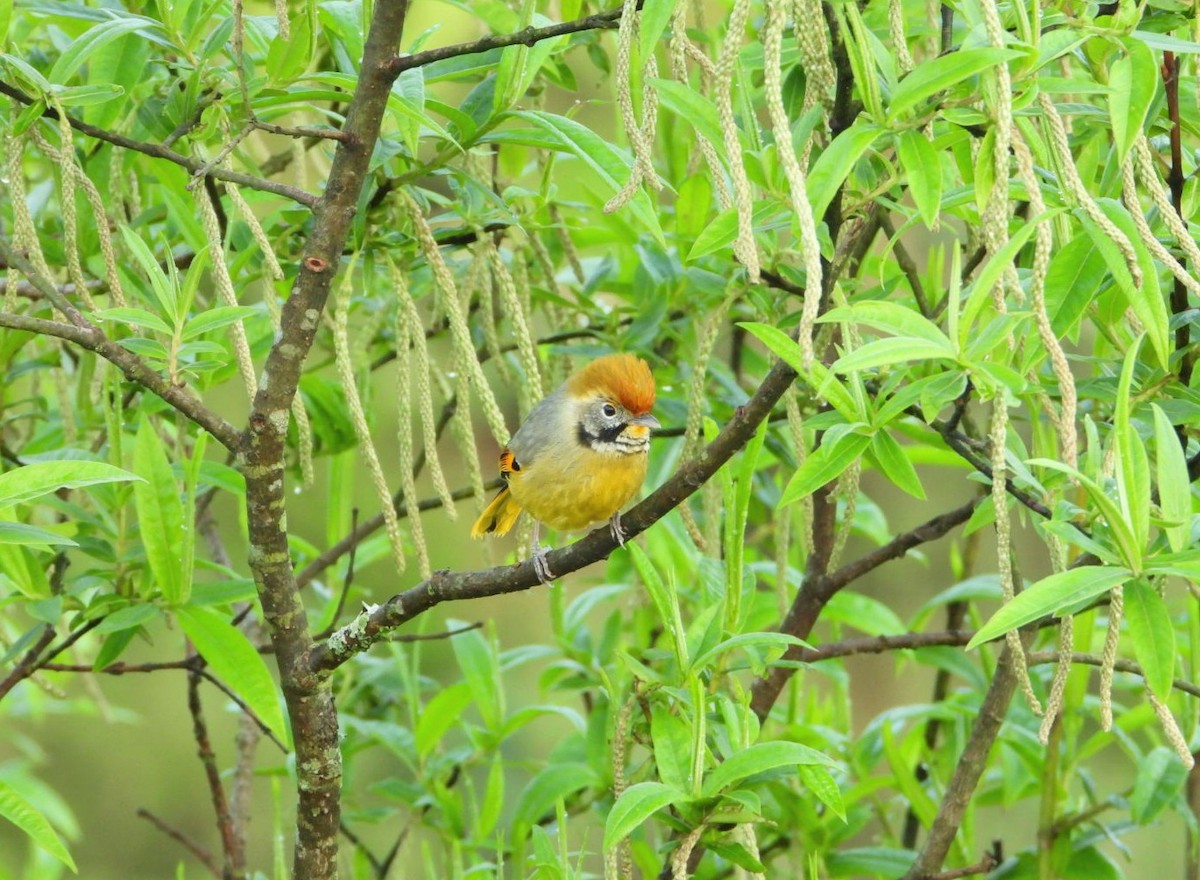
[[69, 172], [1108, 657], [1004, 551], [1064, 419], [474, 382], [418, 375], [1066, 639], [1069, 179], [224, 284], [744, 246], [406, 329], [797, 184], [529, 392], [1129, 195], [345, 370]]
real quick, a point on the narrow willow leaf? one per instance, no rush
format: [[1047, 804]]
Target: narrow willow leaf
[[892, 350], [834, 164], [923, 169], [29, 819], [889, 317], [19, 533], [1153, 635], [41, 478], [894, 464], [1174, 485], [1146, 300], [80, 48], [1060, 590], [437, 716], [824, 466], [635, 805], [236, 662], [938, 74], [692, 107], [671, 735], [1132, 82], [160, 516], [1133, 470], [479, 665], [760, 758], [820, 782], [1131, 551], [1160, 777], [555, 782]]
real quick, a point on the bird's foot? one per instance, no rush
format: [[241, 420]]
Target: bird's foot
[[540, 566], [617, 530]]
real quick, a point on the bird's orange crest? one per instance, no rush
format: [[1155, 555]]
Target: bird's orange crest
[[625, 378]]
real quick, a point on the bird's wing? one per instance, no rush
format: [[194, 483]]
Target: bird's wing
[[508, 463]]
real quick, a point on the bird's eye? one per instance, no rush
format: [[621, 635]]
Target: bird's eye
[[609, 410]]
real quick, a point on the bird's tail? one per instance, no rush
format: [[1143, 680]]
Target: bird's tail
[[499, 517]]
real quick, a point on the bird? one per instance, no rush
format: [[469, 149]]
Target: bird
[[580, 455]]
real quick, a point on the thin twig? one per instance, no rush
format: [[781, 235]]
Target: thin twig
[[202, 855], [157, 151]]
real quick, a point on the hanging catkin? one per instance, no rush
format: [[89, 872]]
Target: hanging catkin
[[406, 329], [465, 360], [349, 383], [418, 377], [797, 185], [744, 246]]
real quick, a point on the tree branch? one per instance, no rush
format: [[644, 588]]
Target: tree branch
[[373, 623], [249, 181], [527, 37], [309, 697], [87, 335]]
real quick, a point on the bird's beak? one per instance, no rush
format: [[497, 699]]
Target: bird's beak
[[645, 420]]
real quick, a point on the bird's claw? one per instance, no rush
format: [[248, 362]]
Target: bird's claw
[[617, 530], [540, 566]]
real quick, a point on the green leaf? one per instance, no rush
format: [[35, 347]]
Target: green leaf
[[665, 601], [1060, 590], [892, 350], [438, 715], [1075, 274], [1133, 469], [761, 758], [1145, 299], [1131, 551], [1160, 778], [820, 782], [894, 464], [672, 739], [891, 317], [938, 74], [19, 533], [79, 49], [1174, 485], [477, 660], [129, 617], [824, 465], [216, 319], [635, 805], [765, 640], [555, 782], [136, 317], [869, 861], [160, 516], [651, 23], [1153, 635], [834, 164], [235, 661], [1132, 83], [692, 107], [601, 157], [25, 816], [923, 168], [41, 478], [164, 291]]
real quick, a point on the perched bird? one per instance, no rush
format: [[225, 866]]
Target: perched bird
[[580, 455]]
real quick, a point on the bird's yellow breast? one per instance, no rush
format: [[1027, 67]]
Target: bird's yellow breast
[[579, 488]]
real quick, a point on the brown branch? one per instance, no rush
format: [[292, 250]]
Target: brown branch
[[235, 859], [816, 592], [372, 624], [87, 335], [527, 37], [28, 664], [981, 867], [202, 855], [157, 151], [967, 772], [309, 697], [332, 134]]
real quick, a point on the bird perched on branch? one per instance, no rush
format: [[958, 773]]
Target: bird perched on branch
[[580, 455]]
